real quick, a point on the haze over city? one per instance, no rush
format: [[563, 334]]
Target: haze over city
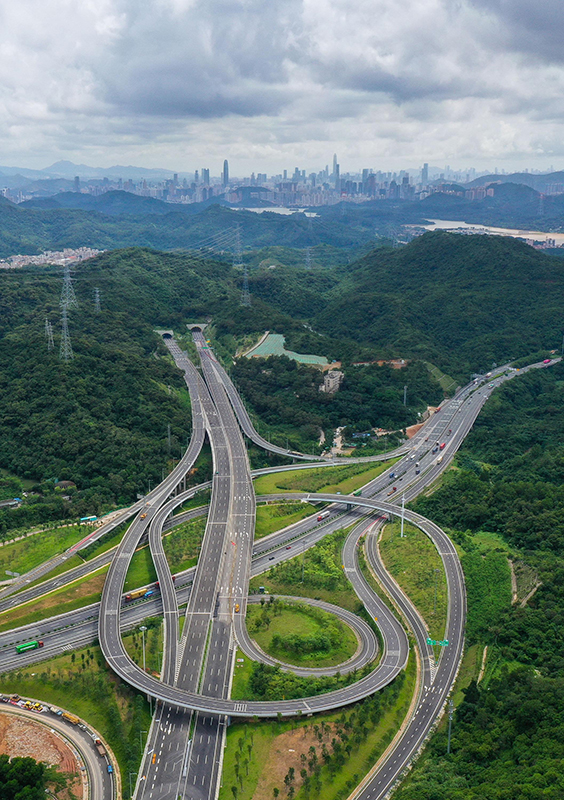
[[180, 84]]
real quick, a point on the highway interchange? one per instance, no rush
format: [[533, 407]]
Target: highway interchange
[[183, 756]]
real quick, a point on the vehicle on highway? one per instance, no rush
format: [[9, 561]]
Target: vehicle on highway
[[33, 645], [137, 594], [442, 446], [439, 459], [237, 607], [100, 747], [288, 547], [393, 490], [271, 558], [143, 516], [70, 718], [323, 515], [546, 361], [110, 768]]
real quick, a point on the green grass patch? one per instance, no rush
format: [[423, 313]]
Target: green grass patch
[[141, 570], [275, 516], [182, 544], [241, 676], [77, 594], [80, 682], [133, 643], [70, 563], [316, 573], [445, 381], [468, 672], [346, 744], [34, 549], [345, 479], [301, 635], [412, 560]]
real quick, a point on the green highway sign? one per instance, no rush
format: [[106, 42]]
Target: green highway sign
[[441, 643]]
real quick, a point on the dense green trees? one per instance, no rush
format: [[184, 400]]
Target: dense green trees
[[285, 393], [25, 778], [461, 302]]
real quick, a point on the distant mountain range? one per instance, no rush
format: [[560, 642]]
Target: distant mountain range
[[541, 183], [21, 177]]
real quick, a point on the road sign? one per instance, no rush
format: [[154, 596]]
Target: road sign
[[441, 642], [13, 574]]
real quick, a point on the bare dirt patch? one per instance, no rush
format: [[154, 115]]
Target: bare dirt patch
[[20, 736], [285, 752]]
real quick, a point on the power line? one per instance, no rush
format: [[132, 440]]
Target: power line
[[65, 353], [49, 335], [238, 264]]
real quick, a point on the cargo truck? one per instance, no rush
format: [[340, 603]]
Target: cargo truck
[[33, 645], [138, 593], [70, 718], [323, 515], [100, 747]]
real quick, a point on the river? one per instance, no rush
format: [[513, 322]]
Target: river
[[454, 225]]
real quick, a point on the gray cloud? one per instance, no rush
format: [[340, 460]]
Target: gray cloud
[[263, 81]]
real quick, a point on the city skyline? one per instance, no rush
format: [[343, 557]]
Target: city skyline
[[266, 85]]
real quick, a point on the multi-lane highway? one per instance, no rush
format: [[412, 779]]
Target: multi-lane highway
[[197, 668]]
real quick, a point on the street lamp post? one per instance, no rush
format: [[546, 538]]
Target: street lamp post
[[130, 789]]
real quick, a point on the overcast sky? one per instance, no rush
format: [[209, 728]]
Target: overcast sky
[[273, 84]]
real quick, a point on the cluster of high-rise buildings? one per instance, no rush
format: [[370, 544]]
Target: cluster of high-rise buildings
[[293, 188]]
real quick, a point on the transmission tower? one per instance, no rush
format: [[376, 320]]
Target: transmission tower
[[238, 264], [49, 335], [541, 205], [65, 353], [97, 307], [308, 258], [68, 297]]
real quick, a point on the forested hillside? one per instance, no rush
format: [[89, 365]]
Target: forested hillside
[[461, 302], [101, 421], [114, 223]]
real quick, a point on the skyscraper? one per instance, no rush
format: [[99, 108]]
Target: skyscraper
[[226, 173], [334, 164], [425, 174]]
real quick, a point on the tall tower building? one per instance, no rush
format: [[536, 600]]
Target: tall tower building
[[334, 164], [206, 176], [425, 174], [226, 173]]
